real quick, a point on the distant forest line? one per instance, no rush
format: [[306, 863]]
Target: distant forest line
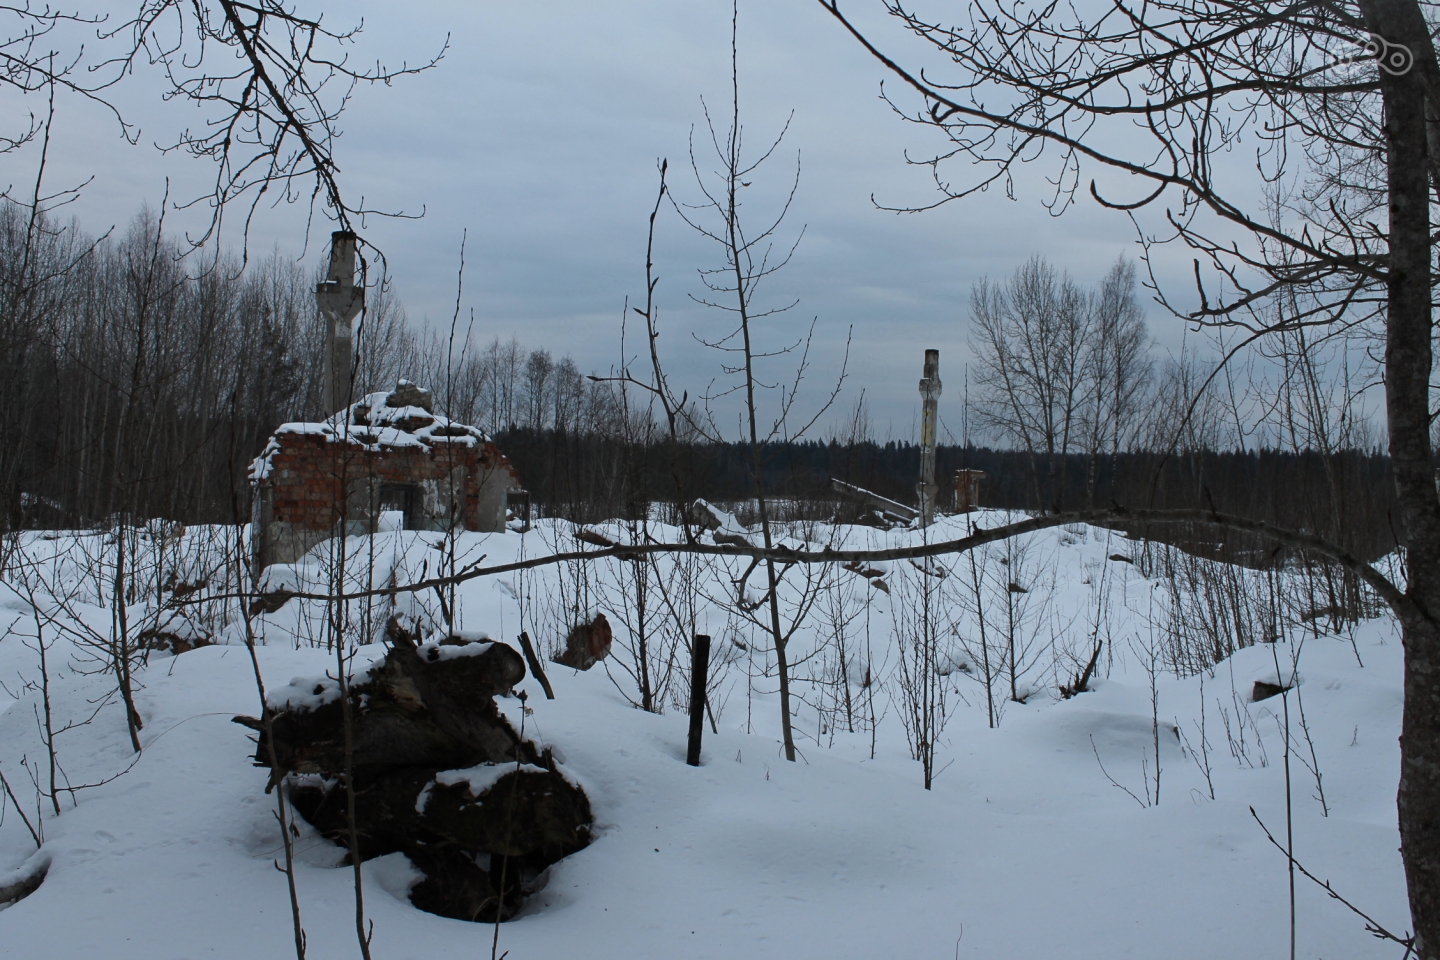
[[139, 382], [590, 478]]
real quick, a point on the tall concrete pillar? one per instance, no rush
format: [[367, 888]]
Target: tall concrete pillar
[[930, 398], [340, 302]]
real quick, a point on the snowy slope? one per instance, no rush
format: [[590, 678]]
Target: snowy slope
[[1022, 849]]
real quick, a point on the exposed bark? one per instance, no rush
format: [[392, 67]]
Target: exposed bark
[[1408, 363], [551, 816], [26, 879], [418, 711], [421, 711]]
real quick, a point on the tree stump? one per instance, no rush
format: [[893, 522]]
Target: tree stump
[[587, 644]]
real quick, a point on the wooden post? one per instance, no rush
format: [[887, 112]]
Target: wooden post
[[534, 662], [699, 669]]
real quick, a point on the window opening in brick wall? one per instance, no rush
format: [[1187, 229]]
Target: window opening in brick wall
[[400, 498]]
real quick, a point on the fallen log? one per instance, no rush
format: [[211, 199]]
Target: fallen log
[[431, 705], [436, 772], [25, 880], [509, 810]]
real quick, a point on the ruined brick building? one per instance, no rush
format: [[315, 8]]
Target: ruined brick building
[[386, 460]]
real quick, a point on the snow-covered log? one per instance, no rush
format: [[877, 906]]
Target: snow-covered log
[[26, 879], [438, 772], [427, 705]]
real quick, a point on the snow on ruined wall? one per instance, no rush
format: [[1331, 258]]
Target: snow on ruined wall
[[374, 425], [311, 475]]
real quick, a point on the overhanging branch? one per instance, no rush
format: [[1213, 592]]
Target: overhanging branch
[[1393, 596]]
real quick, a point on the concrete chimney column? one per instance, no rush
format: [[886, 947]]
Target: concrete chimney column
[[930, 398], [340, 302]]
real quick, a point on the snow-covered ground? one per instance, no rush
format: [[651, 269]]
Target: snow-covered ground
[[1023, 848]]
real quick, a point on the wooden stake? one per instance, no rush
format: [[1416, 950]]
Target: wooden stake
[[699, 668], [534, 661]]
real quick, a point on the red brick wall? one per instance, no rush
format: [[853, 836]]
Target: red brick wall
[[309, 475]]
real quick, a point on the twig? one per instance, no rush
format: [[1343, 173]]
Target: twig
[[20, 810], [1371, 925], [1113, 781]]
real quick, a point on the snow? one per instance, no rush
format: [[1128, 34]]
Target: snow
[[175, 623], [1023, 848], [480, 778], [726, 528], [316, 690], [372, 424], [435, 650], [14, 884]]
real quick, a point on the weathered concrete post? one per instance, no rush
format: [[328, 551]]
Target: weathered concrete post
[[930, 397], [340, 302]]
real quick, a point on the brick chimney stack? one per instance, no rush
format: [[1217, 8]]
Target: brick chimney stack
[[340, 302], [930, 398]]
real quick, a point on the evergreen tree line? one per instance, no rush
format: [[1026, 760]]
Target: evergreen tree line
[[1290, 489]]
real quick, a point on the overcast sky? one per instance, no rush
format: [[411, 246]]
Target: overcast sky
[[539, 133]]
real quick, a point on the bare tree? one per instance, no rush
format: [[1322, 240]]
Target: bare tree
[[539, 389], [1340, 97], [751, 258], [273, 83], [387, 347], [1118, 368], [982, 643], [924, 661], [502, 362], [1030, 337], [33, 63]]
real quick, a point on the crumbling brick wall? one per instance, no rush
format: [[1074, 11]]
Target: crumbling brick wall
[[386, 451]]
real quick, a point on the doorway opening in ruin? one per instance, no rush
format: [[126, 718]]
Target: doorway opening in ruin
[[401, 498]]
